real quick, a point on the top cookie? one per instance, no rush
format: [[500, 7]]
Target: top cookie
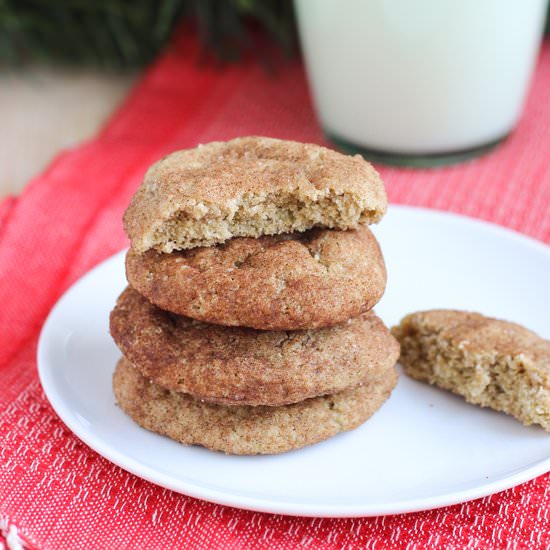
[[248, 187]]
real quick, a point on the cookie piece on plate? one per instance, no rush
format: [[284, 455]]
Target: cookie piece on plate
[[231, 365], [490, 362], [242, 429], [249, 187], [283, 282]]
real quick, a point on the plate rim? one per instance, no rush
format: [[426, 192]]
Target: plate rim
[[259, 504]]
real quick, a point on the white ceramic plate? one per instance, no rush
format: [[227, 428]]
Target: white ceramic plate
[[425, 448]]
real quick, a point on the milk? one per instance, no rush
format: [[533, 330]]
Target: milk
[[419, 76]]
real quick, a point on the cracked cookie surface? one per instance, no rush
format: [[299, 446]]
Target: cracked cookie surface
[[243, 429], [283, 282], [231, 365], [249, 187]]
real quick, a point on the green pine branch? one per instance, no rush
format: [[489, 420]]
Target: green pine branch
[[126, 34]]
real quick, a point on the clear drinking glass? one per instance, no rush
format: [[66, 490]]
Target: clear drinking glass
[[419, 82]]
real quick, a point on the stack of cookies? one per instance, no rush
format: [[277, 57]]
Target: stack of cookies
[[247, 325]]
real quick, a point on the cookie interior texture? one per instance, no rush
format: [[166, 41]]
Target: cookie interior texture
[[249, 187], [490, 362], [283, 282], [245, 430], [235, 365]]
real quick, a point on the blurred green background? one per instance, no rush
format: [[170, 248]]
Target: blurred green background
[[127, 34]]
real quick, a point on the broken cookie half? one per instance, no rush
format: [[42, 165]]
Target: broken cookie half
[[489, 362]]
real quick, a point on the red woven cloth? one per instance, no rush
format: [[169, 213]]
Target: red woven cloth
[[60, 494]]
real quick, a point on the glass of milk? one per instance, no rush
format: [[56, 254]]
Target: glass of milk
[[419, 82]]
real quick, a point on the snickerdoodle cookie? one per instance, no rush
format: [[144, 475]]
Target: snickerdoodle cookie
[[249, 187], [243, 429], [282, 282], [490, 362], [234, 365]]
